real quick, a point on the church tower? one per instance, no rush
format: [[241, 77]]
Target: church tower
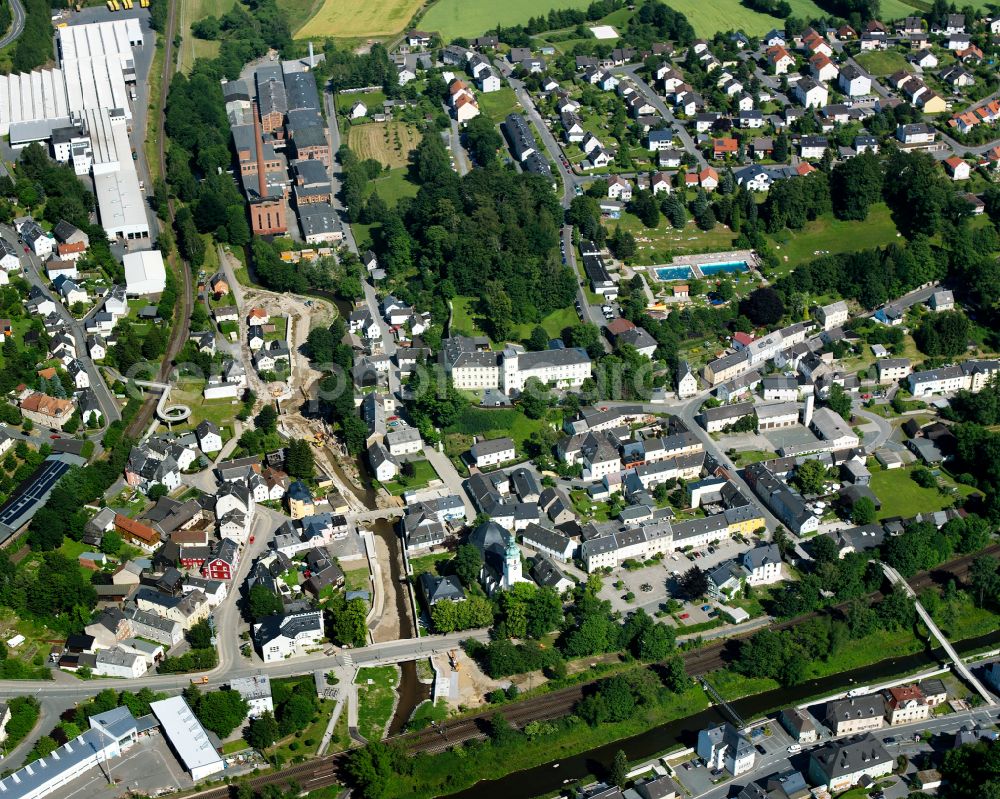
[[512, 564]]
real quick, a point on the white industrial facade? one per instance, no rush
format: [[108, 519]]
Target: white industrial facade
[[187, 737], [144, 273], [120, 202], [32, 97], [94, 60]]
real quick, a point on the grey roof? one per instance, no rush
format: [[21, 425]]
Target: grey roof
[[855, 708], [319, 218], [436, 588], [839, 758], [761, 555], [545, 537], [289, 625], [491, 446]]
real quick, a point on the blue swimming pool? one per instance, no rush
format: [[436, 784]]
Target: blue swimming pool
[[674, 272], [728, 266]]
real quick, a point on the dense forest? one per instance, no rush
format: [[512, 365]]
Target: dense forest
[[492, 234]]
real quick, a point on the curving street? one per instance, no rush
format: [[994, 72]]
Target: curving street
[[17, 26]]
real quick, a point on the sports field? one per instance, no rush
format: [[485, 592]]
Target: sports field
[[356, 18], [387, 142]]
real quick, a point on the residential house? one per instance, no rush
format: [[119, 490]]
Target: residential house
[[492, 452], [840, 765], [726, 747], [855, 715], [283, 636]]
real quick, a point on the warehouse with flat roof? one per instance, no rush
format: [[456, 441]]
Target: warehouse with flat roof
[[187, 737]]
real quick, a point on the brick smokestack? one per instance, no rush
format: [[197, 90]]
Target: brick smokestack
[[259, 142]]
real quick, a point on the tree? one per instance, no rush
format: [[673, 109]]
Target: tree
[[299, 459], [763, 307], [263, 731], [468, 564], [498, 310], [824, 549], [539, 339], [694, 582], [619, 769], [371, 768], [864, 511], [266, 421], [221, 711], [943, 335], [263, 602], [200, 635], [482, 139], [839, 401], [855, 185], [984, 578], [810, 477], [644, 206]]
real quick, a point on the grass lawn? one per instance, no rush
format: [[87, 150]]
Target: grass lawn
[[428, 563], [732, 685], [392, 186], [883, 63], [358, 18], [376, 697], [901, 496], [499, 103], [832, 235], [219, 411], [389, 143], [357, 579], [304, 743], [749, 456], [659, 245], [344, 102], [192, 47], [465, 321], [498, 422], [424, 473]]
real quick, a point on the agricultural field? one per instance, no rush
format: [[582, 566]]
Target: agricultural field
[[389, 143], [347, 18], [191, 47]]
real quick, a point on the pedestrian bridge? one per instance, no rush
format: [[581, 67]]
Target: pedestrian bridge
[[960, 668]]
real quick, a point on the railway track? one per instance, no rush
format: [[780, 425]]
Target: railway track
[[326, 771], [182, 316]]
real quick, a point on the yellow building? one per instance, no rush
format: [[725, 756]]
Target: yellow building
[[300, 501]]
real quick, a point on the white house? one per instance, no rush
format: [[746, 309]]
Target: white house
[[687, 383], [619, 189], [209, 437], [382, 463], [116, 662], [810, 93], [280, 637], [726, 747], [763, 564], [853, 82], [144, 273], [492, 452], [359, 110]]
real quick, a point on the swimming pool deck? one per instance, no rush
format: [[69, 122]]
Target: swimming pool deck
[[694, 262]]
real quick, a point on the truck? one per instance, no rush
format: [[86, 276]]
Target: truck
[[199, 680]]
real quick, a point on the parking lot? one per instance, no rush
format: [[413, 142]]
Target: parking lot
[[654, 585], [148, 768]]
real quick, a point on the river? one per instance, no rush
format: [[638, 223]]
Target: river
[[411, 691], [545, 779]]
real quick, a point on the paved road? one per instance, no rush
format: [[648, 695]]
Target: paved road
[[569, 180], [655, 100], [17, 10], [71, 689], [336, 171], [450, 477], [458, 154], [33, 274]]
